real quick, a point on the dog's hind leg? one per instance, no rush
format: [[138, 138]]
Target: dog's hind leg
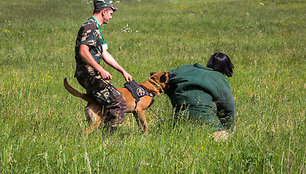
[[93, 114]]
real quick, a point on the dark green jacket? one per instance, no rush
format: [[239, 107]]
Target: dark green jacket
[[202, 88]]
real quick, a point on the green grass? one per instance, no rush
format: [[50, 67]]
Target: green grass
[[41, 123]]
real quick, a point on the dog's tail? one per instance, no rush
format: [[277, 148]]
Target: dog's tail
[[76, 93]]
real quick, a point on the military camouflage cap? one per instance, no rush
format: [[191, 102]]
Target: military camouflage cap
[[105, 3]]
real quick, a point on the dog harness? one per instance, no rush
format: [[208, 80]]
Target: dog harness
[[137, 91]]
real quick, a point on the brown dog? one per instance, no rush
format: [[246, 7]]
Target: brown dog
[[94, 112]]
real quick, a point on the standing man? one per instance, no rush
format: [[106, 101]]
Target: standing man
[[90, 50]]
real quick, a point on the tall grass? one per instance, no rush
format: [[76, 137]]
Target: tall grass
[[41, 124]]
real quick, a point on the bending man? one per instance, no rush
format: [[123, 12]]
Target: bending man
[[203, 94]]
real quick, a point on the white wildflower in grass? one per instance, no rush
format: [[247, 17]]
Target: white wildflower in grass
[[126, 29], [87, 1]]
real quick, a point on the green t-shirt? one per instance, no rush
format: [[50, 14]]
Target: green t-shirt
[[89, 34]]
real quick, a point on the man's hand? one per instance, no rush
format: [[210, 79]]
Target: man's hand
[[105, 75], [127, 76]]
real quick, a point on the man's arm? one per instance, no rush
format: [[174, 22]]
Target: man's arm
[[226, 110], [88, 58], [109, 59]]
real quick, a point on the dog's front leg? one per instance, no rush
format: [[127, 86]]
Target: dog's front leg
[[141, 120]]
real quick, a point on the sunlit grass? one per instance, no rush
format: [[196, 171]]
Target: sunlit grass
[[41, 123]]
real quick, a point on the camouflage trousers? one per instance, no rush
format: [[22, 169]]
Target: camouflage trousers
[[104, 93]]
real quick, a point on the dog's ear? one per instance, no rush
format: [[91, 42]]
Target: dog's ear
[[164, 78], [151, 74]]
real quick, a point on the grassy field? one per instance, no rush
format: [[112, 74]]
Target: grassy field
[[41, 123]]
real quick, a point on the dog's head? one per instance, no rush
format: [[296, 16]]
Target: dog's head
[[159, 81]]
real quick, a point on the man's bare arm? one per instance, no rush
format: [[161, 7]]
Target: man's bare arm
[[109, 59], [88, 58]]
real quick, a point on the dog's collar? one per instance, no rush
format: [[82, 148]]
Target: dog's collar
[[156, 84], [155, 81]]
